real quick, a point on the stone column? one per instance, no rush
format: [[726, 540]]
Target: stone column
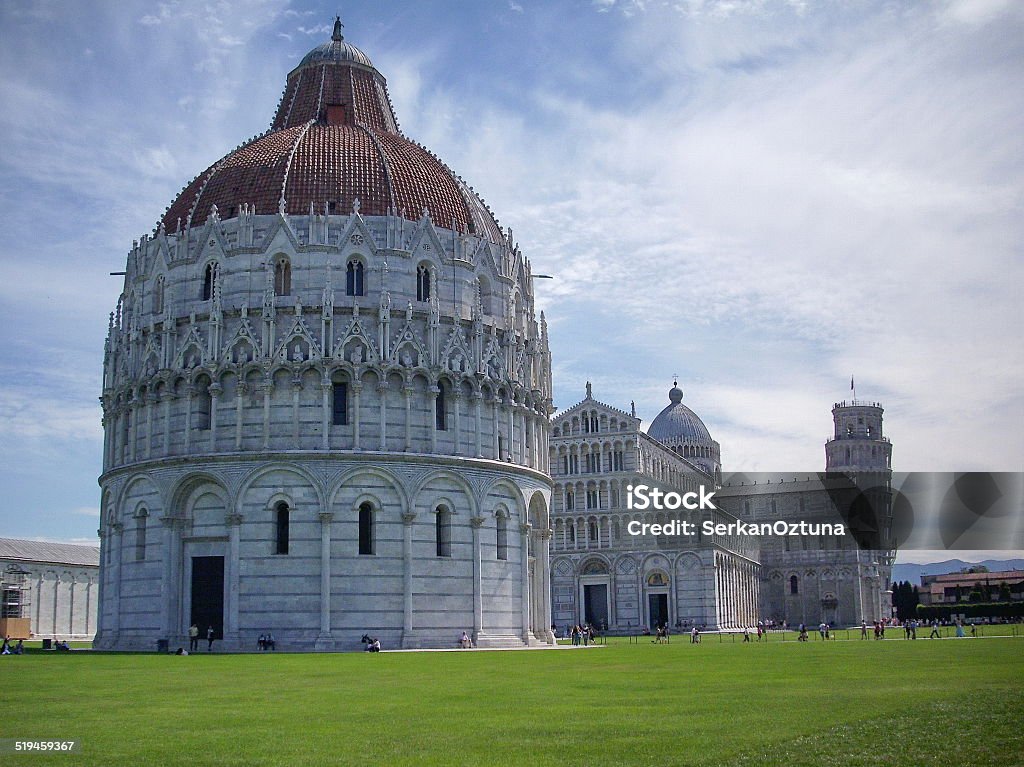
[[357, 388], [457, 407], [477, 400], [190, 399], [382, 391], [524, 544], [215, 391], [717, 574], [234, 524], [545, 595], [323, 642], [296, 392], [407, 520], [496, 427], [511, 429], [166, 397], [171, 585], [478, 596], [407, 391], [326, 389], [240, 391], [150, 402], [114, 597], [267, 389], [132, 431], [436, 392]]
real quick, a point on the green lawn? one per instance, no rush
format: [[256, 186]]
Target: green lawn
[[782, 703]]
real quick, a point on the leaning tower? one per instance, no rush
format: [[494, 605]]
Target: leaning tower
[[326, 396], [858, 446]]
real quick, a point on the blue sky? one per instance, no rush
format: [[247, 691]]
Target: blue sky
[[761, 196]]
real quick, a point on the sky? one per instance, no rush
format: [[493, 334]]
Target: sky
[[763, 197]]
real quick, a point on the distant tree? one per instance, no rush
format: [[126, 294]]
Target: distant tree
[[977, 595], [958, 594], [1004, 592], [975, 569]]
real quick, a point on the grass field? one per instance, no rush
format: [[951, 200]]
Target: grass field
[[947, 702]]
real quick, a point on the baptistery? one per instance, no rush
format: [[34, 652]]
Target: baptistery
[[326, 397]]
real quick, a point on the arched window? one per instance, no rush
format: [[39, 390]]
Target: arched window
[[443, 532], [354, 278], [339, 403], [570, 500], [423, 283], [209, 281], [440, 416], [140, 536], [204, 406], [282, 277], [366, 529], [158, 295], [281, 514], [485, 294], [592, 530], [502, 537], [794, 585]]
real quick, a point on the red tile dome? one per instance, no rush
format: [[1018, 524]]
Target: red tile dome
[[334, 140]]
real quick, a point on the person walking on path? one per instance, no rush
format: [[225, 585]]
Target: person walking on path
[[209, 639], [193, 637]]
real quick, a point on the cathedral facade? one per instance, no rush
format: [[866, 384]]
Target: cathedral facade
[[326, 397], [605, 575]]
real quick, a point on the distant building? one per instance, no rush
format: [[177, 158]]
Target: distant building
[[53, 585], [951, 588], [603, 575]]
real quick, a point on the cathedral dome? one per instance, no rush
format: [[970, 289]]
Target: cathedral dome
[[333, 145], [678, 423]]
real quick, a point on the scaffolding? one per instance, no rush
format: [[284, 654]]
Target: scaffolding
[[15, 601]]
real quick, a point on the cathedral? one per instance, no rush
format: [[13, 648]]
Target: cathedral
[[326, 397], [610, 577]]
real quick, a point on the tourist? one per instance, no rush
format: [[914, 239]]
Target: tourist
[[262, 642], [465, 642], [746, 634], [209, 639], [19, 648], [6, 649], [193, 637], [270, 643], [935, 630], [863, 629], [959, 629]]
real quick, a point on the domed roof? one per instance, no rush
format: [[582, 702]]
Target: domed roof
[[677, 423], [334, 141], [336, 51]]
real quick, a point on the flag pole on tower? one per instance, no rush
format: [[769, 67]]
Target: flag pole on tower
[[853, 389]]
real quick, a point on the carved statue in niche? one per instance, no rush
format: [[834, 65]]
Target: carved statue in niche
[[406, 358], [357, 355], [297, 355]]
